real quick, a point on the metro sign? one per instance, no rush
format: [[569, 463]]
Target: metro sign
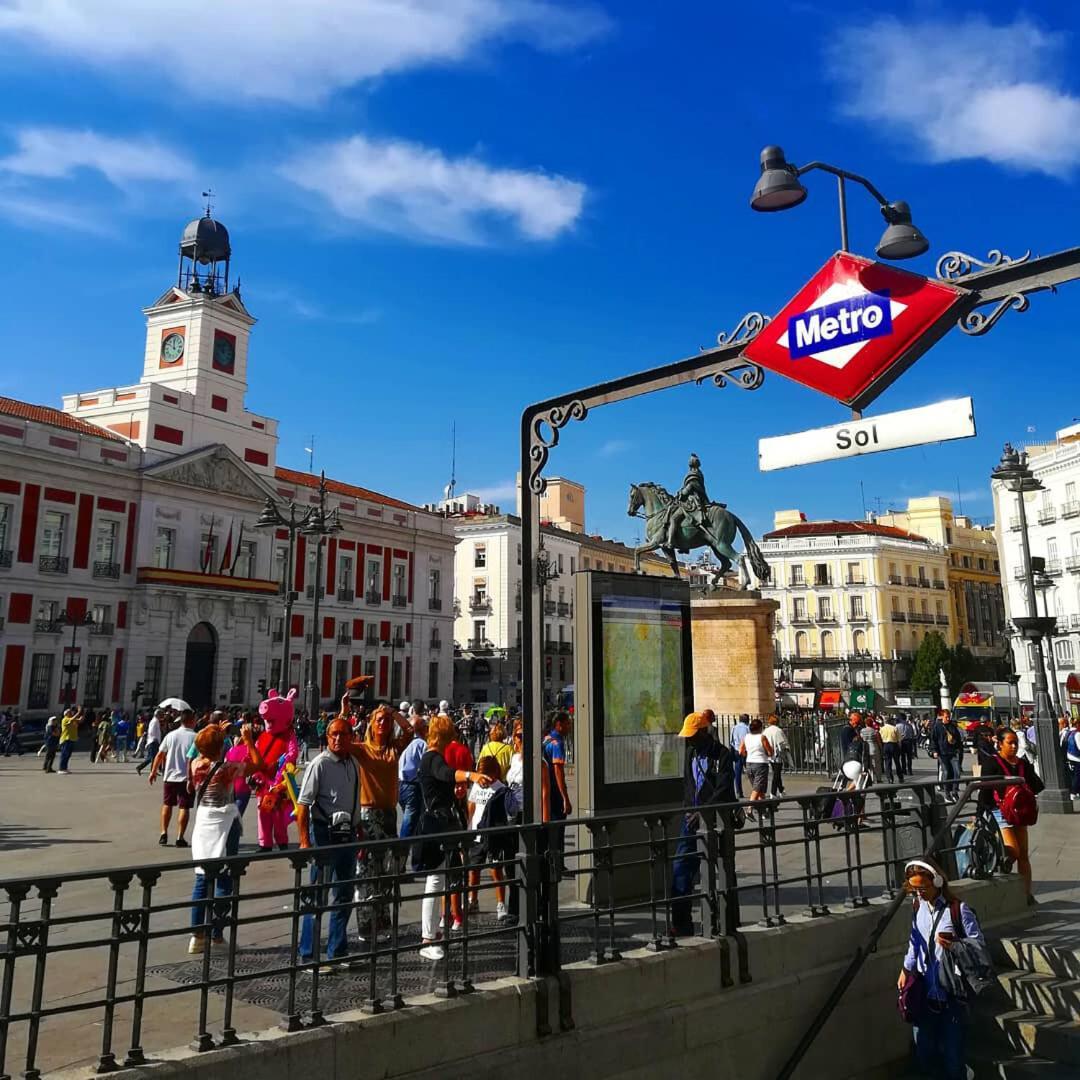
[[855, 326]]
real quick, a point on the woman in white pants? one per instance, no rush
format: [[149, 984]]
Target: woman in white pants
[[437, 782]]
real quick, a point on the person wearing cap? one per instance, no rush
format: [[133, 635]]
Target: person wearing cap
[[708, 780], [172, 760], [941, 927]]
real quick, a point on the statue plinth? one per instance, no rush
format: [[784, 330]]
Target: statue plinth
[[733, 652]]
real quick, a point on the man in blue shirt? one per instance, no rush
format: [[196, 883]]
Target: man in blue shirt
[[738, 733], [408, 778], [554, 751]]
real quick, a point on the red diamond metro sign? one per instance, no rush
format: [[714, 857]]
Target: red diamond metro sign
[[855, 326]]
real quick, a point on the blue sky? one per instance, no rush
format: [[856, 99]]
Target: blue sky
[[444, 210]]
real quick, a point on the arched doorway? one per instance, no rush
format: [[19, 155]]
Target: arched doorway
[[199, 666]]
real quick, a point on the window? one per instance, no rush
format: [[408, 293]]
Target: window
[[925, 605], [275, 672], [797, 574], [369, 667], [480, 556], [559, 562], [374, 575], [341, 677], [53, 534], [48, 610], [854, 573], [434, 584], [572, 562], [433, 679], [561, 629], [106, 541], [821, 574], [940, 609], [41, 665], [479, 628], [827, 646], [798, 608], [102, 614], [966, 562], [858, 640], [519, 554], [164, 546], [6, 524], [238, 685], [1070, 491], [479, 594], [825, 607], [517, 642], [857, 609], [1051, 551], [1064, 651], [399, 591], [94, 688], [801, 643], [344, 572], [151, 680], [982, 564], [562, 594], [244, 565], [584, 562]]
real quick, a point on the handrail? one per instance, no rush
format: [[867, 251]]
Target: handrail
[[872, 939]]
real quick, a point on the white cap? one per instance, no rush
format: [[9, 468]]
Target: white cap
[[444, 707], [404, 707]]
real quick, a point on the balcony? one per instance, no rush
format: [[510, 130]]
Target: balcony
[[479, 603], [372, 641], [938, 584], [898, 616], [1, 623], [277, 637], [895, 579], [399, 600], [109, 570], [551, 647], [479, 645], [911, 581], [53, 564], [793, 584], [434, 604], [1018, 573], [1065, 665], [435, 643], [854, 581], [924, 583], [1072, 564], [549, 607], [309, 592], [398, 641], [104, 629], [566, 648], [823, 582], [1070, 509], [48, 626], [563, 609], [1047, 515], [344, 636], [373, 596], [858, 616], [346, 596], [517, 602], [941, 620], [827, 619], [5, 558], [801, 620], [1053, 567], [1074, 622]]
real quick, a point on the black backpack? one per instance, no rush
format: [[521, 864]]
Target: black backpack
[[495, 817]]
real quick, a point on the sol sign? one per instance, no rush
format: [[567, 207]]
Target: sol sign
[[854, 327]]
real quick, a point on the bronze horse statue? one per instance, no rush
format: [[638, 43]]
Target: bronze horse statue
[[717, 531]]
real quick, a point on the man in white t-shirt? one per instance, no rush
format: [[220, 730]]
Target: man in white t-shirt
[[172, 760], [780, 745]]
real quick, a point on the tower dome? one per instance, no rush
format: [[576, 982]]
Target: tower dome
[[205, 252]]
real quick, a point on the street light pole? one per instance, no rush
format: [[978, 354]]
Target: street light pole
[[272, 518], [1044, 583], [1015, 475], [65, 618], [392, 643], [318, 525]]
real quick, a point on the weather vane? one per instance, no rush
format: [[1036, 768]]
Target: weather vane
[[208, 195]]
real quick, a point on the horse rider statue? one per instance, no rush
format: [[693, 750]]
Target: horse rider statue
[[689, 505]]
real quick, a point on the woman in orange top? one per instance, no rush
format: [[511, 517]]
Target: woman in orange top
[[377, 759]]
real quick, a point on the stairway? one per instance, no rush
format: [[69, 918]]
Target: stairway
[[1028, 1026]]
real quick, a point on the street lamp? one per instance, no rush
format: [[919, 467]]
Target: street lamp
[[779, 188], [318, 524], [65, 618], [1016, 476], [272, 518], [1044, 583]]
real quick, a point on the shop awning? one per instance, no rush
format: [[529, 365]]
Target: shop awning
[[829, 699]]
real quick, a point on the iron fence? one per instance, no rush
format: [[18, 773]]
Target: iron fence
[[118, 946], [812, 741]]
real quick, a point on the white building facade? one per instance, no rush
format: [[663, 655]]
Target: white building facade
[[134, 509], [1053, 519]]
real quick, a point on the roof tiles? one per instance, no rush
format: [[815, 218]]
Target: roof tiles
[[43, 414]]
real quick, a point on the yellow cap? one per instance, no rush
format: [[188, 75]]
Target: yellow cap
[[695, 722]]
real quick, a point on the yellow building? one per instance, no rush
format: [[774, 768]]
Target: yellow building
[[977, 607], [856, 598]]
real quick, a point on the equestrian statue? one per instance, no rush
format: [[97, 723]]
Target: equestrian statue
[[688, 520]]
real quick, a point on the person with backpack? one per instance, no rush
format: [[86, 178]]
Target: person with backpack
[[708, 780], [490, 808], [934, 981], [947, 745], [1072, 756], [1015, 808]]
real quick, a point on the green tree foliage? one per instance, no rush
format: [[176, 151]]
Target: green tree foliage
[[933, 654]]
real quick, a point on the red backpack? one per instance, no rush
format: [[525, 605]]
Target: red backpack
[[1018, 804]]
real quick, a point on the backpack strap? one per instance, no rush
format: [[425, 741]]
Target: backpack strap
[[957, 918]]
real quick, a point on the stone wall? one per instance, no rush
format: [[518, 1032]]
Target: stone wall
[[708, 1009]]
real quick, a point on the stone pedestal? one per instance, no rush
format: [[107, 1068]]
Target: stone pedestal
[[733, 653]]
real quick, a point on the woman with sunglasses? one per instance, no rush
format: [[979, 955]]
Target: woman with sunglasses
[[938, 921]]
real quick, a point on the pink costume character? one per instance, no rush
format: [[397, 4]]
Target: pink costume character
[[278, 747]]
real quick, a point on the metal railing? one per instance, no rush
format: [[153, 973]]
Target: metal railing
[[1070, 508], [107, 570], [434, 603], [5, 558], [642, 878], [399, 600], [344, 636], [373, 596], [53, 564], [102, 628], [346, 595]]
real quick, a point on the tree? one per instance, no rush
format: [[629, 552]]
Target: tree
[[933, 655]]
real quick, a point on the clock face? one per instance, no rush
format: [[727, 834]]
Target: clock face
[[172, 348], [224, 353]]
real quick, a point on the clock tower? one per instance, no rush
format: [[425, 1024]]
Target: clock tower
[[194, 374]]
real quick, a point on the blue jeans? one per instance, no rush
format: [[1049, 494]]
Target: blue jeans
[[738, 775], [151, 753], [949, 769], [339, 874], [222, 888], [939, 1042], [65, 753], [686, 866], [411, 806]]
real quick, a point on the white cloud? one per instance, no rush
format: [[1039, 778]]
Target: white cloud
[[507, 489], [283, 50], [53, 153], [613, 447], [30, 212], [960, 89], [402, 187]]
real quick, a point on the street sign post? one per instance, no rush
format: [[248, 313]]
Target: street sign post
[[855, 326], [945, 420]]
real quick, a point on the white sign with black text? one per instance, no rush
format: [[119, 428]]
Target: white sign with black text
[[946, 420]]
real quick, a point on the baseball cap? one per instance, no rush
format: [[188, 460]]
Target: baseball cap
[[694, 722]]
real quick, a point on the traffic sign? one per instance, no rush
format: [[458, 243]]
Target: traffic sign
[[855, 326], [953, 419]]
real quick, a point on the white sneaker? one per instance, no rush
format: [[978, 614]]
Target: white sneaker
[[500, 912], [458, 927], [195, 945], [433, 952]]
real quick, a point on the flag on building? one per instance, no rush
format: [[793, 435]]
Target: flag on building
[[239, 546], [208, 551], [226, 558]]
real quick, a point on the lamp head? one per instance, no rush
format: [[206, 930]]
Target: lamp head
[[269, 517], [778, 186], [901, 239]]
